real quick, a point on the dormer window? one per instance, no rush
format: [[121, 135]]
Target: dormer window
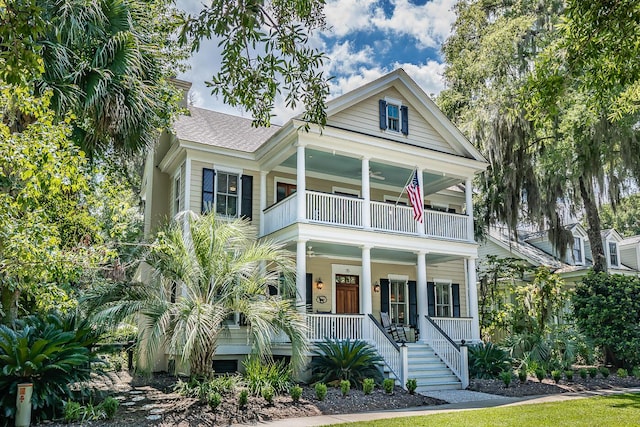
[[394, 117], [577, 250], [613, 254]]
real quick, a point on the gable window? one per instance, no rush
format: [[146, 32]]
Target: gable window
[[577, 250], [613, 254], [284, 190], [227, 194], [398, 302], [394, 116]]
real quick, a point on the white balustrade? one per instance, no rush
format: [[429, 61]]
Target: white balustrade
[[389, 217], [334, 326], [334, 209], [452, 355], [386, 347], [446, 225], [280, 215], [458, 328]]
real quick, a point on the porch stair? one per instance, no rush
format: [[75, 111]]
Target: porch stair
[[429, 370]]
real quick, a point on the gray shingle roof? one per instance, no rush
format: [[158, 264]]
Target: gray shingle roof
[[630, 240], [221, 130], [525, 249]]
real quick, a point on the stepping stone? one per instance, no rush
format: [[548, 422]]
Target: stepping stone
[[148, 406], [156, 411], [121, 398], [154, 417], [135, 392], [138, 398], [128, 403]]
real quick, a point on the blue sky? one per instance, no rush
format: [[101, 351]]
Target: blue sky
[[365, 40]]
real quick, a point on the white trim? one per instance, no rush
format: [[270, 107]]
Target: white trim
[[349, 191], [187, 183], [393, 101], [447, 282], [354, 270], [399, 277], [228, 171], [402, 279]]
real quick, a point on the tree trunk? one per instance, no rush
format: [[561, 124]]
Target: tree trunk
[[9, 307], [594, 230]]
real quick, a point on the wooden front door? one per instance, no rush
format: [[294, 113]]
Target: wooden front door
[[347, 294]]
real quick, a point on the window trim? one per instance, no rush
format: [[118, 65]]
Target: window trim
[[398, 103], [399, 278], [447, 282], [217, 170], [617, 254], [177, 183], [581, 249]]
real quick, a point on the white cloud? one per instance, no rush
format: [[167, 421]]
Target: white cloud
[[346, 16], [344, 60]]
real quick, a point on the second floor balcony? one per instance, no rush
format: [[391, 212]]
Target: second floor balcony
[[357, 213]]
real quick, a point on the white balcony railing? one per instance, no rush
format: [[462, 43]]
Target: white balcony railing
[[457, 328], [334, 326], [454, 356], [347, 211]]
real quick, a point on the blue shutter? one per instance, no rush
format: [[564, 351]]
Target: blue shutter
[[208, 180], [384, 295], [382, 104], [455, 291], [309, 301], [404, 116], [413, 304], [431, 299], [246, 203]]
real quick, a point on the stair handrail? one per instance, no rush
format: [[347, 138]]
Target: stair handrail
[[453, 355], [396, 361], [384, 331]]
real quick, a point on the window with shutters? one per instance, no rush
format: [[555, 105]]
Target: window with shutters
[[208, 180], [443, 299], [398, 301], [393, 117], [227, 194]]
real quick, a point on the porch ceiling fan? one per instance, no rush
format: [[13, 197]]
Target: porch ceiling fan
[[310, 252], [376, 175]]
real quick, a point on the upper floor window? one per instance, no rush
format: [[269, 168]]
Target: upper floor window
[[176, 195], [577, 250], [613, 253], [393, 116], [227, 194], [229, 191]]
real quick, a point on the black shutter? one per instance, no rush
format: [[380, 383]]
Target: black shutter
[[413, 304], [431, 299], [246, 204], [404, 113], [382, 104], [384, 295], [455, 291], [309, 295], [208, 179]]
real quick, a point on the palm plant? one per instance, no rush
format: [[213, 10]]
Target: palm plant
[[336, 360], [204, 270]]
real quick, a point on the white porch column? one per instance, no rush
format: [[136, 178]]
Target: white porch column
[[472, 283], [301, 276], [421, 294], [366, 194], [366, 306], [301, 194], [263, 199], [468, 192], [422, 227]]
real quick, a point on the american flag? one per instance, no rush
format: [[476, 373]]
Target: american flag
[[413, 191]]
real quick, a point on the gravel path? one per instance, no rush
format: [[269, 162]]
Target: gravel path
[[463, 396]]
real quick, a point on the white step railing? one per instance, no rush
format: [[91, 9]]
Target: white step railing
[[446, 225], [457, 328], [280, 215], [334, 326], [334, 209], [390, 351], [454, 356], [389, 217]]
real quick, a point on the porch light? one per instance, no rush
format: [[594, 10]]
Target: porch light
[[319, 283], [376, 287]]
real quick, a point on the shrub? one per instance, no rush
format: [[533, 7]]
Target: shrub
[[260, 374], [540, 374], [243, 398], [321, 391], [368, 384], [505, 376], [345, 386], [388, 385], [522, 375], [569, 375], [487, 361], [109, 406], [72, 411], [296, 393], [267, 393], [636, 372], [345, 360], [612, 300], [593, 372], [605, 372], [622, 373], [214, 399], [52, 353], [202, 389], [556, 375], [412, 385], [583, 373]]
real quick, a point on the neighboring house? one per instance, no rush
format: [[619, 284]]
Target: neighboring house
[[535, 249], [335, 198]]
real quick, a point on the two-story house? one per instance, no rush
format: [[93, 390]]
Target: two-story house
[[336, 198]]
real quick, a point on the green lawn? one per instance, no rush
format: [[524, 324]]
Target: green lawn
[[617, 410]]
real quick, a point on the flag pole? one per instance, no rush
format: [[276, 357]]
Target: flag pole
[[405, 185]]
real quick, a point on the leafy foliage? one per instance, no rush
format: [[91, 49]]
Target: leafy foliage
[[203, 388], [388, 385], [487, 361], [345, 386], [368, 385], [625, 219], [260, 374], [506, 377], [607, 309], [412, 385], [352, 360], [296, 393], [320, 390], [52, 353]]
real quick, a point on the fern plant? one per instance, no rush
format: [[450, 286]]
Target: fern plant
[[336, 360], [487, 361]]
